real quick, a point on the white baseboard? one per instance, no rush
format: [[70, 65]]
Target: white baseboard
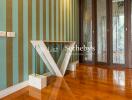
[[13, 89], [24, 84]]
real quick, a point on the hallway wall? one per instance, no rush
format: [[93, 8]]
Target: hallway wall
[[32, 20]]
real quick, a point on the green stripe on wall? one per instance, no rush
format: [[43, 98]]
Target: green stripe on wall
[[33, 31], [3, 80], [9, 44], [41, 34], [25, 39], [44, 24], [52, 23], [20, 39], [15, 41]]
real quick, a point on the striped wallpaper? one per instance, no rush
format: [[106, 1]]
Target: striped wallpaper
[[32, 20]]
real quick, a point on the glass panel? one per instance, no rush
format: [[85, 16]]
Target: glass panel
[[101, 31], [87, 28], [102, 74], [118, 32]]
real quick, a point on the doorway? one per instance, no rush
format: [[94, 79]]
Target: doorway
[[104, 26]]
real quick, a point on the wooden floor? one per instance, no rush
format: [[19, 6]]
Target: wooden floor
[[87, 83]]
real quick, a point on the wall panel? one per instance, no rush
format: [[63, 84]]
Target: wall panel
[[15, 40], [32, 20], [33, 32], [3, 45], [25, 39]]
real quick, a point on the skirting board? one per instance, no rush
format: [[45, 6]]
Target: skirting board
[[13, 89], [20, 86]]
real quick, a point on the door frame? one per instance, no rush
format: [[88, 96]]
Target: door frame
[[127, 24], [94, 36]]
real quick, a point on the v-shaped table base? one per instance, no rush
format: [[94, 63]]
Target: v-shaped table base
[[47, 58]]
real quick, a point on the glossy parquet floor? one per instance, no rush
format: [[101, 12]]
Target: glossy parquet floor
[[87, 83]]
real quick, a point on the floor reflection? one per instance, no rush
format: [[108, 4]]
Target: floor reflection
[[90, 73], [129, 78], [87, 83], [102, 74], [119, 77], [56, 91]]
